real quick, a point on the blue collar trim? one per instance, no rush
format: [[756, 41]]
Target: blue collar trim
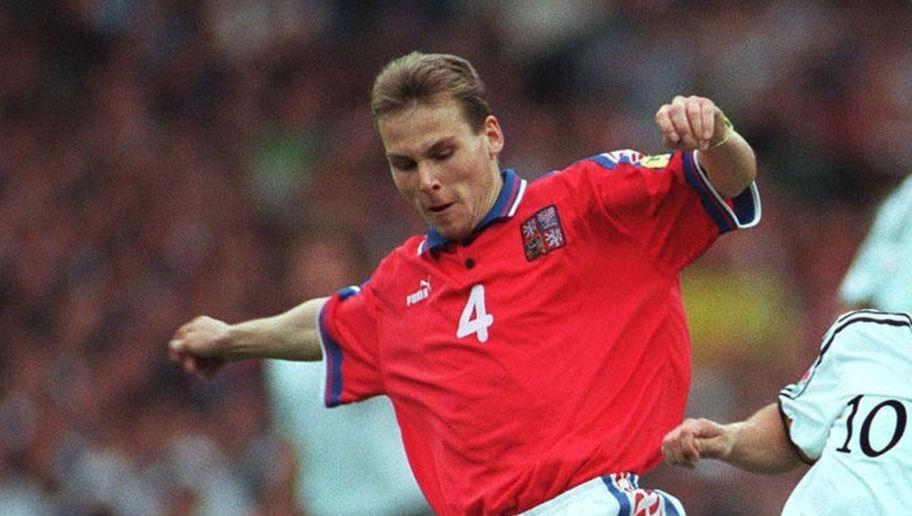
[[509, 195]]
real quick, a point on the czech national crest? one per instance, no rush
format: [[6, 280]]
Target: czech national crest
[[542, 233]]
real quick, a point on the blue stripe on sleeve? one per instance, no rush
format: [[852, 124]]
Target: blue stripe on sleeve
[[744, 206], [710, 204], [603, 161], [348, 292], [334, 352], [333, 363]]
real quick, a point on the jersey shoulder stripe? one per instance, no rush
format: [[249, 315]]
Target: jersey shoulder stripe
[[611, 160], [877, 315], [859, 317]]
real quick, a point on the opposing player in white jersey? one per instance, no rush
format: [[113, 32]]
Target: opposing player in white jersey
[[848, 416]]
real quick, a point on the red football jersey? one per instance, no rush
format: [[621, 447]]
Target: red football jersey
[[549, 348]]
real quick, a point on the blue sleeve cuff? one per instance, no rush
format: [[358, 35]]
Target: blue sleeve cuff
[[745, 209], [332, 354]]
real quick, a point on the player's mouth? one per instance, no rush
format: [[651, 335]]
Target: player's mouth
[[440, 208]]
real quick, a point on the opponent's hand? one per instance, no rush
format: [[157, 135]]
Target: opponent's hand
[[197, 345], [689, 123], [696, 439]]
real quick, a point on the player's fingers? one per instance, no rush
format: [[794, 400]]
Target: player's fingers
[[686, 447], [668, 447], [669, 453], [663, 121], [671, 448], [693, 110], [679, 119], [708, 114], [675, 457], [673, 144], [689, 451], [176, 345], [185, 329], [671, 437]]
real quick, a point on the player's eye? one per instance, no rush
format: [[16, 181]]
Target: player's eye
[[443, 155], [403, 164]]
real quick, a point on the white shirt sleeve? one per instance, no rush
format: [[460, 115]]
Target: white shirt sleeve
[[863, 352], [812, 403]]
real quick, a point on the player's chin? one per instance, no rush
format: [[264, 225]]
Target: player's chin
[[449, 229]]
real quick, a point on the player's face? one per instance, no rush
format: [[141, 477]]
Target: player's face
[[447, 171]]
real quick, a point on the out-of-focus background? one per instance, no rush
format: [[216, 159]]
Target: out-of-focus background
[[162, 159]]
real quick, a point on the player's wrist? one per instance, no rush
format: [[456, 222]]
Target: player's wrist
[[728, 437], [725, 136], [234, 343]]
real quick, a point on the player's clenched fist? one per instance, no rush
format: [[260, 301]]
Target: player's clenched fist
[[696, 439], [692, 123], [197, 345]]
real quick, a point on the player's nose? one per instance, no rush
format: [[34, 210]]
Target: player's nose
[[428, 177]]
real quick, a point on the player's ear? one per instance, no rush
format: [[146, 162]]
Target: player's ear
[[494, 137]]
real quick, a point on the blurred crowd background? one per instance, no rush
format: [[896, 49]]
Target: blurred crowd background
[[163, 159]]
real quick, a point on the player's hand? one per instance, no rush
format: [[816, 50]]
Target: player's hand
[[689, 123], [197, 344], [696, 439]]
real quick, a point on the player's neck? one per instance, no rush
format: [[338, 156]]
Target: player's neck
[[490, 199]]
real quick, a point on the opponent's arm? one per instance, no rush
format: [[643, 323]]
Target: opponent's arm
[[758, 444], [204, 345], [689, 123]]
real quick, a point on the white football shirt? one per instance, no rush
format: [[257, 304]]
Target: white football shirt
[[850, 415]]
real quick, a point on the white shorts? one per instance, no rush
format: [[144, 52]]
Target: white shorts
[[616, 494]]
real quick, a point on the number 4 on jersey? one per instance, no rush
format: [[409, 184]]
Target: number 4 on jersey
[[475, 319]]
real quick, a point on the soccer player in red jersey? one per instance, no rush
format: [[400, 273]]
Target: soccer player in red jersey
[[533, 342]]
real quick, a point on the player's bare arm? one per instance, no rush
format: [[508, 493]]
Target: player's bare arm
[[203, 345], [696, 123], [758, 444]]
